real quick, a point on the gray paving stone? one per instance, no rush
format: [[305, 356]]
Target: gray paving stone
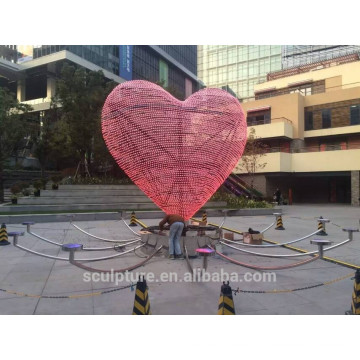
[[27, 273]]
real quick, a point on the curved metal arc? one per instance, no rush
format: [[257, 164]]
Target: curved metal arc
[[84, 267], [273, 245], [111, 247], [223, 222], [267, 268], [271, 225], [187, 259], [137, 234], [44, 239], [67, 259], [238, 231], [84, 248], [286, 255], [97, 237]]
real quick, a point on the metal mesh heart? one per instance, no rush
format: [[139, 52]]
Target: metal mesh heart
[[177, 152]]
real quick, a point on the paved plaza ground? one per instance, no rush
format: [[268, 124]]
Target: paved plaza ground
[[58, 287]]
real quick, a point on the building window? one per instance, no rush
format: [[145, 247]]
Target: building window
[[326, 118], [213, 76], [164, 73], [304, 90], [309, 125], [258, 118], [222, 74], [232, 56], [355, 115]]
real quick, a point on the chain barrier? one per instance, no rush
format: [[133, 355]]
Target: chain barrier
[[276, 291], [68, 296], [238, 290]]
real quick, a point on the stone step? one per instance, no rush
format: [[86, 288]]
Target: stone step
[[90, 191], [98, 187], [76, 207], [7, 195], [92, 207], [89, 199]]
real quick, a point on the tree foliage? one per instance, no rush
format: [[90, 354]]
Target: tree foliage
[[251, 161], [46, 148], [81, 95], [13, 128]]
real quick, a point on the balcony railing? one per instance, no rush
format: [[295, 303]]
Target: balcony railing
[[320, 148], [268, 121], [37, 101]]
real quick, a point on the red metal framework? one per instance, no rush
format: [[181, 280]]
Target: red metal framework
[[177, 152]]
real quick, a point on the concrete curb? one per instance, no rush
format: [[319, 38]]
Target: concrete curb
[[65, 217]]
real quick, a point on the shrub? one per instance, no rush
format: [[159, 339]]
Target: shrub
[[43, 183], [26, 192], [240, 202], [23, 184], [100, 181], [37, 184], [15, 189], [56, 179]]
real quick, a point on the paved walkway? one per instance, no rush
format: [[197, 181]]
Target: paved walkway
[[57, 287]]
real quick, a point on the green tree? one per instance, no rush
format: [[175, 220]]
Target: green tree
[[46, 148], [251, 160], [13, 128], [81, 95]]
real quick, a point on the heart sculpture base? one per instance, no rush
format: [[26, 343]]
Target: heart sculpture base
[[177, 152]]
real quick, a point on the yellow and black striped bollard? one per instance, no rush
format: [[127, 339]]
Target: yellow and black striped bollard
[[3, 236], [204, 217], [321, 226], [133, 219], [355, 303], [279, 223], [226, 302], [141, 302]]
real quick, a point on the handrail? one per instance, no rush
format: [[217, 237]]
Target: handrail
[[311, 149], [268, 121]]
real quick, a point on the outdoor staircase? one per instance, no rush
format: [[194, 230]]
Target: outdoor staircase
[[76, 198]]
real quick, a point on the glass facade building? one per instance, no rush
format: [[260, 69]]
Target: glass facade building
[[105, 56], [186, 55], [146, 62], [149, 65], [297, 55], [9, 53], [238, 67]]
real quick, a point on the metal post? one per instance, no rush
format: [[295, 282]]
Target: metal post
[[71, 248], [320, 243], [15, 235], [205, 263], [28, 225], [350, 232]]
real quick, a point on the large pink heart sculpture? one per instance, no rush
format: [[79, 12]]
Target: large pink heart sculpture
[[177, 152]]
